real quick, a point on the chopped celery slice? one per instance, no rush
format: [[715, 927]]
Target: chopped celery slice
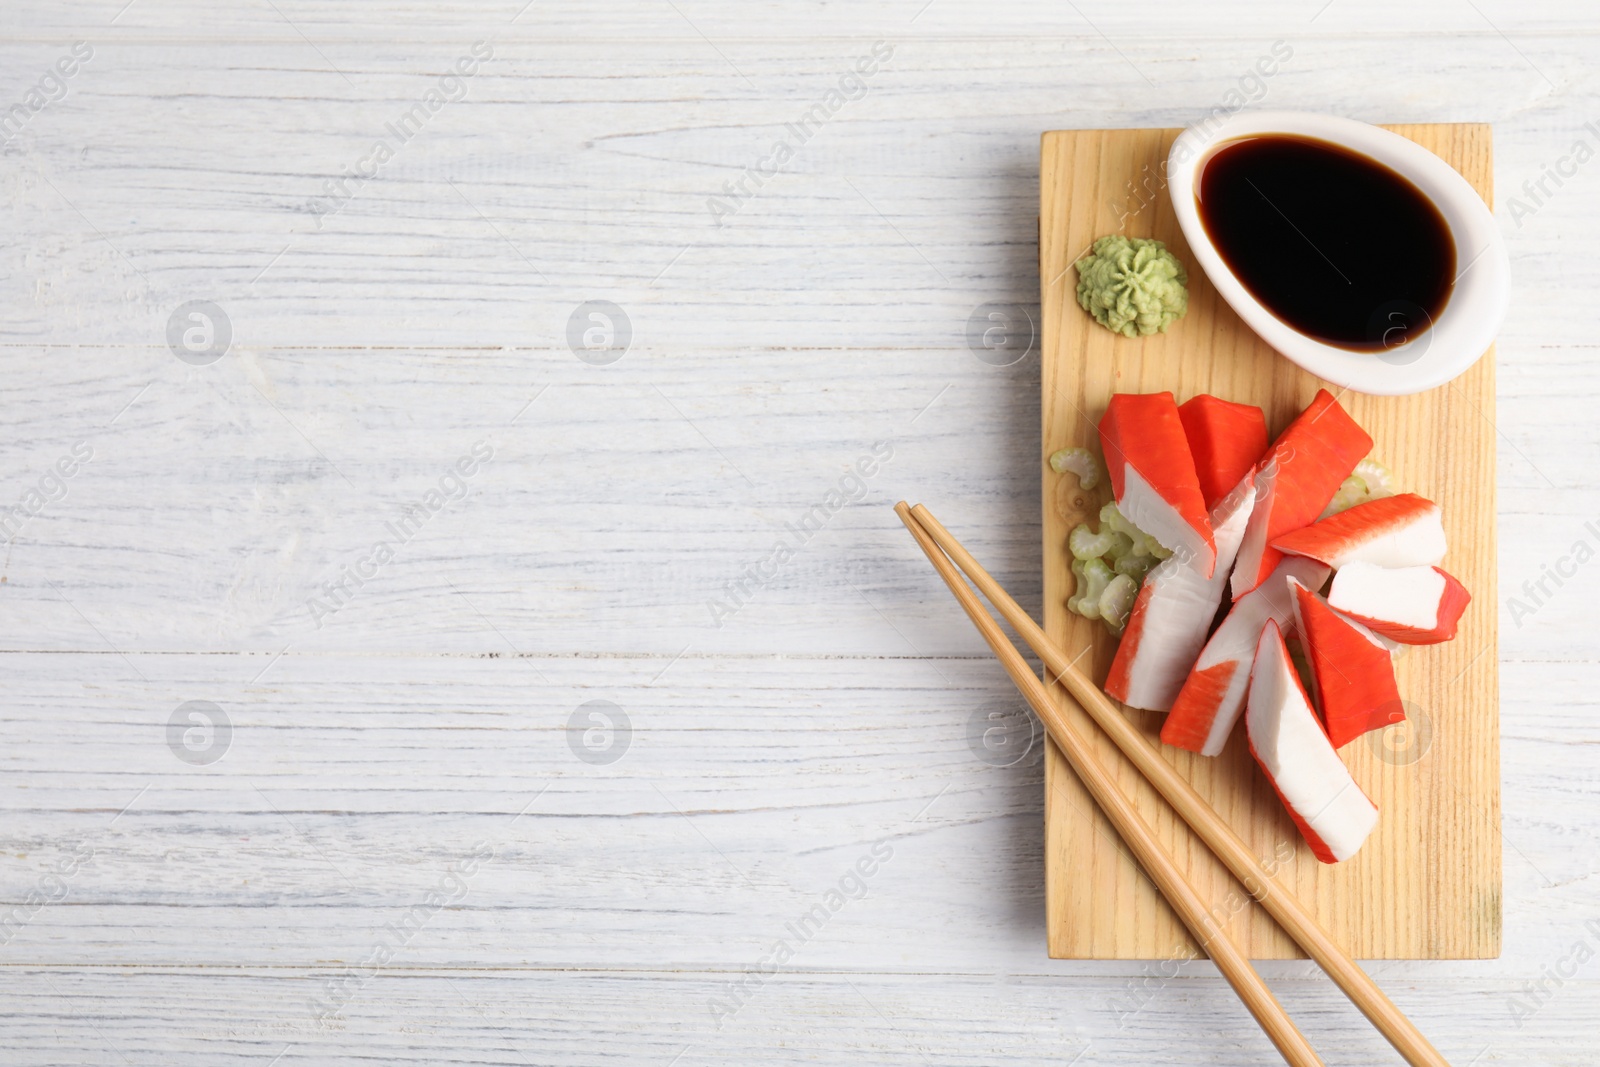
[[1370, 480], [1116, 600], [1379, 479], [1094, 576], [1143, 543], [1079, 583], [1079, 461], [1135, 566], [1110, 565], [1086, 545]]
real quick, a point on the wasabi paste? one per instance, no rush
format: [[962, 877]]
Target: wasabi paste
[[1132, 285]]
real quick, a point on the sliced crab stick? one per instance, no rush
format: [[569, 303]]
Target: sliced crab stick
[[1412, 605], [1392, 531], [1171, 617], [1226, 439], [1295, 481], [1152, 474], [1331, 811], [1352, 671], [1213, 695]]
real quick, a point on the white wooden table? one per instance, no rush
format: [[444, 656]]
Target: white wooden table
[[392, 832]]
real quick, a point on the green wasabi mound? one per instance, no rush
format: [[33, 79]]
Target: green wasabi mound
[[1132, 285]]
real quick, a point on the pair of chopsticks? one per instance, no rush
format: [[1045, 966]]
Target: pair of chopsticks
[[1163, 870]]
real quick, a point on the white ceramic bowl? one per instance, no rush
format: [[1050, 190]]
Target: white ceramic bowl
[[1477, 303]]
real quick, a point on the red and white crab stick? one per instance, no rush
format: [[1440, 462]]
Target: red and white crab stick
[[1152, 474], [1226, 440], [1295, 481], [1352, 671], [1331, 811], [1173, 613], [1178, 601], [1392, 531], [1412, 605], [1213, 695]]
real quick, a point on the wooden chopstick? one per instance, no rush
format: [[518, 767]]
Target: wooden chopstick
[[1228, 846], [1135, 832]]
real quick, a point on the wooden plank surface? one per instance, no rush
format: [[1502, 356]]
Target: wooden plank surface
[[1426, 885], [830, 710]]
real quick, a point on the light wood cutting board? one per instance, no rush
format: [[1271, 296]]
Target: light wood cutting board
[[1426, 885]]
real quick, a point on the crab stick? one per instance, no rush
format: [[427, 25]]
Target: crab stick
[[1173, 613], [1152, 474], [1213, 695], [1296, 480], [1412, 605], [1331, 811], [1393, 531], [1226, 439], [1352, 671]]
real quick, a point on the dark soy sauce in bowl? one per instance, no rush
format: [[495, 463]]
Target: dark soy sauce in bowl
[[1335, 244]]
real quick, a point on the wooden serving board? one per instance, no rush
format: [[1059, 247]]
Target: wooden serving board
[[1426, 885]]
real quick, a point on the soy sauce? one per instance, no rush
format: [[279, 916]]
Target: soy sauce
[[1335, 244]]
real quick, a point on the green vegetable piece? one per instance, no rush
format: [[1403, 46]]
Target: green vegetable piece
[[1096, 576], [1132, 285], [1086, 545], [1379, 479], [1370, 480], [1143, 543], [1352, 491], [1108, 567], [1135, 566], [1116, 600], [1079, 461]]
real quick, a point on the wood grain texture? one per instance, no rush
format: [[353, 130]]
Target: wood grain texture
[[1427, 882], [830, 709]]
